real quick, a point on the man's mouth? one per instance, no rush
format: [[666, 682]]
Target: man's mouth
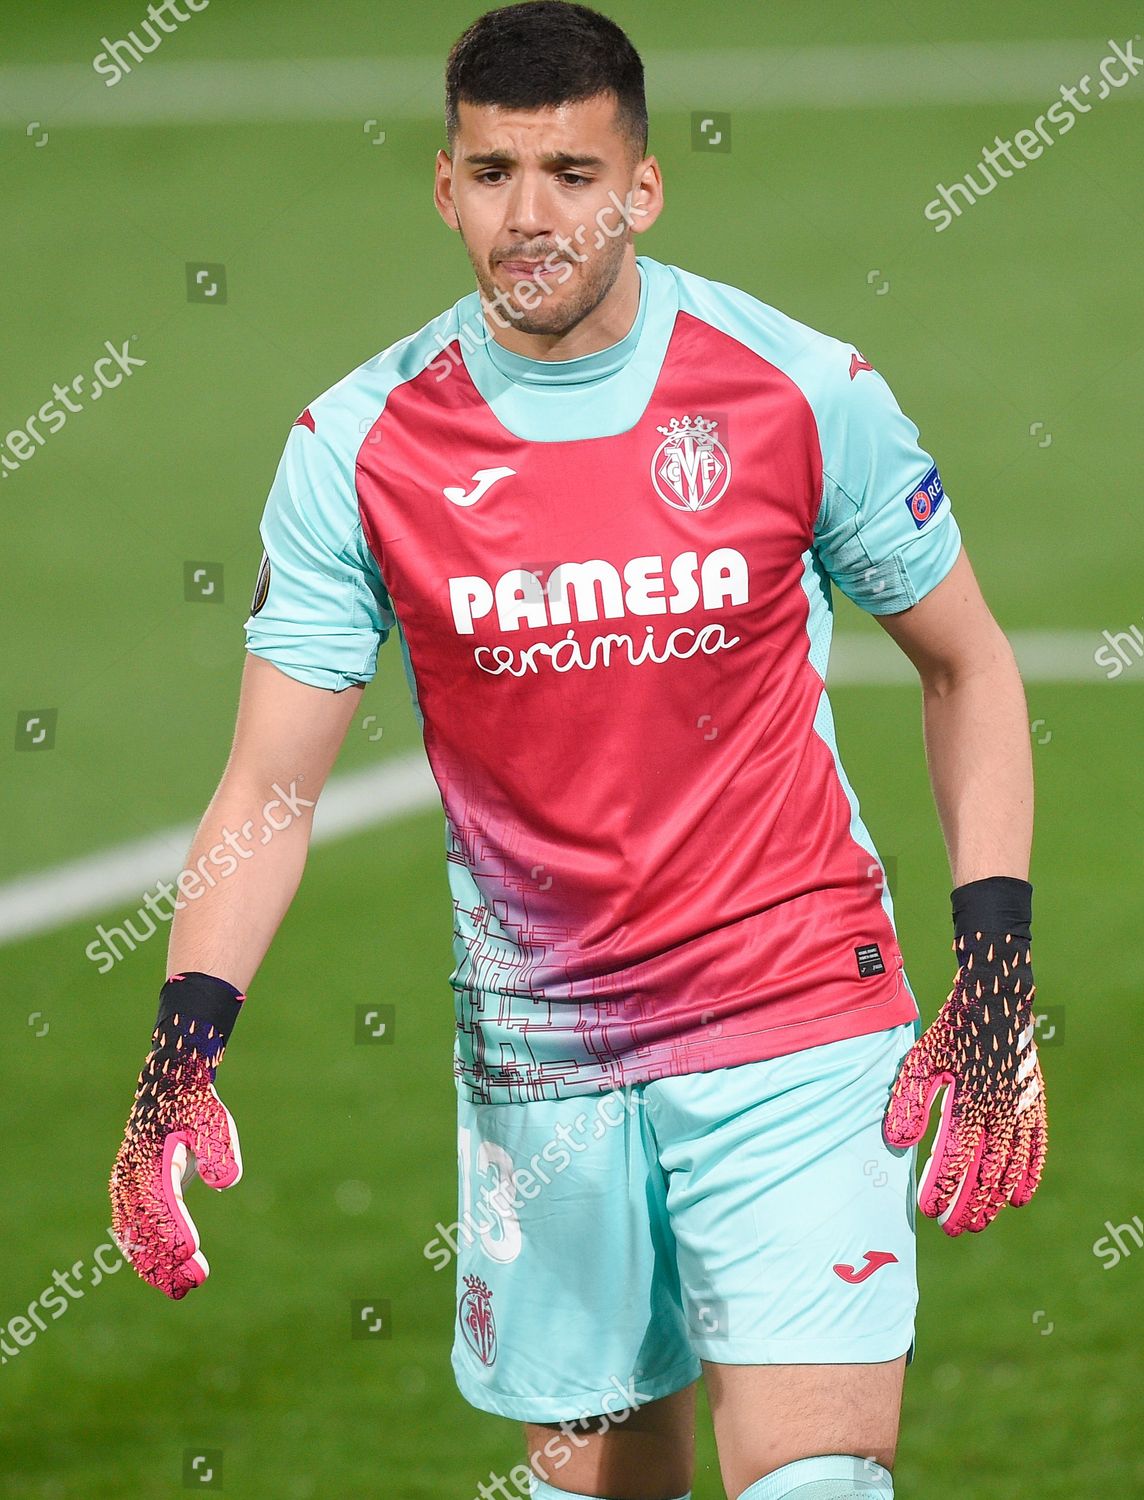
[[530, 270]]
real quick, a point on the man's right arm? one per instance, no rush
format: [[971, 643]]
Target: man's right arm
[[319, 613], [255, 833], [286, 740]]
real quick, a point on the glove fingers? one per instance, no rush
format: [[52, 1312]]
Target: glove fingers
[[150, 1221], [949, 1175], [214, 1140], [1019, 1151], [927, 1182], [179, 1261], [1038, 1144], [990, 1195], [959, 1184], [908, 1112]]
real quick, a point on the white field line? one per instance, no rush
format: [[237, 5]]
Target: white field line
[[101, 882], [111, 878], [1043, 656], [862, 75]]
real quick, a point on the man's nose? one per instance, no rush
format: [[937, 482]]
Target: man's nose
[[530, 209]]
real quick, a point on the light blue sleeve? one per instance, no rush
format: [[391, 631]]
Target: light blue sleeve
[[885, 531], [320, 609]]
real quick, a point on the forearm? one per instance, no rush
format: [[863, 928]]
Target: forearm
[[980, 765], [249, 872]]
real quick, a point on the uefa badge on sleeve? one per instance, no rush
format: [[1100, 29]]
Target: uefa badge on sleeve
[[923, 502]]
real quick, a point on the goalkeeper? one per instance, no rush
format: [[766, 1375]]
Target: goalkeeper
[[663, 891]]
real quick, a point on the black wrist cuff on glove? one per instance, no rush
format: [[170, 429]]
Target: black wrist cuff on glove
[[202, 997], [999, 903]]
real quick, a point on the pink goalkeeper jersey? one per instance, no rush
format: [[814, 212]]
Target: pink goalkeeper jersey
[[611, 578]]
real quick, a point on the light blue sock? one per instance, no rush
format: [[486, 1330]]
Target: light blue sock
[[837, 1477], [542, 1491]]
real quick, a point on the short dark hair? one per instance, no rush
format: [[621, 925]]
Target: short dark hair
[[544, 53]]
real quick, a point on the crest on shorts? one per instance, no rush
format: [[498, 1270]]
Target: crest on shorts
[[477, 1322], [691, 468]]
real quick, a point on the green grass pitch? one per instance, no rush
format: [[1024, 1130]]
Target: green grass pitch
[[1026, 311]]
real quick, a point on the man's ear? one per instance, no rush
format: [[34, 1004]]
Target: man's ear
[[443, 190]]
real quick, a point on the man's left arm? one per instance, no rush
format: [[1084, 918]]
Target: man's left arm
[[975, 724], [885, 533], [991, 1138]]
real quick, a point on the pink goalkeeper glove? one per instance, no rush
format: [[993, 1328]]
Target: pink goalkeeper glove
[[176, 1112], [991, 1137]]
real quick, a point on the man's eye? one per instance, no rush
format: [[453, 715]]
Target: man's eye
[[493, 175]]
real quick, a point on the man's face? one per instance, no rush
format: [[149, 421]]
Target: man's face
[[546, 202]]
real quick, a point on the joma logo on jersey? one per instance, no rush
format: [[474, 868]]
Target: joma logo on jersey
[[691, 469], [597, 589]]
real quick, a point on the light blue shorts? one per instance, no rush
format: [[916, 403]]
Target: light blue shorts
[[748, 1215]]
